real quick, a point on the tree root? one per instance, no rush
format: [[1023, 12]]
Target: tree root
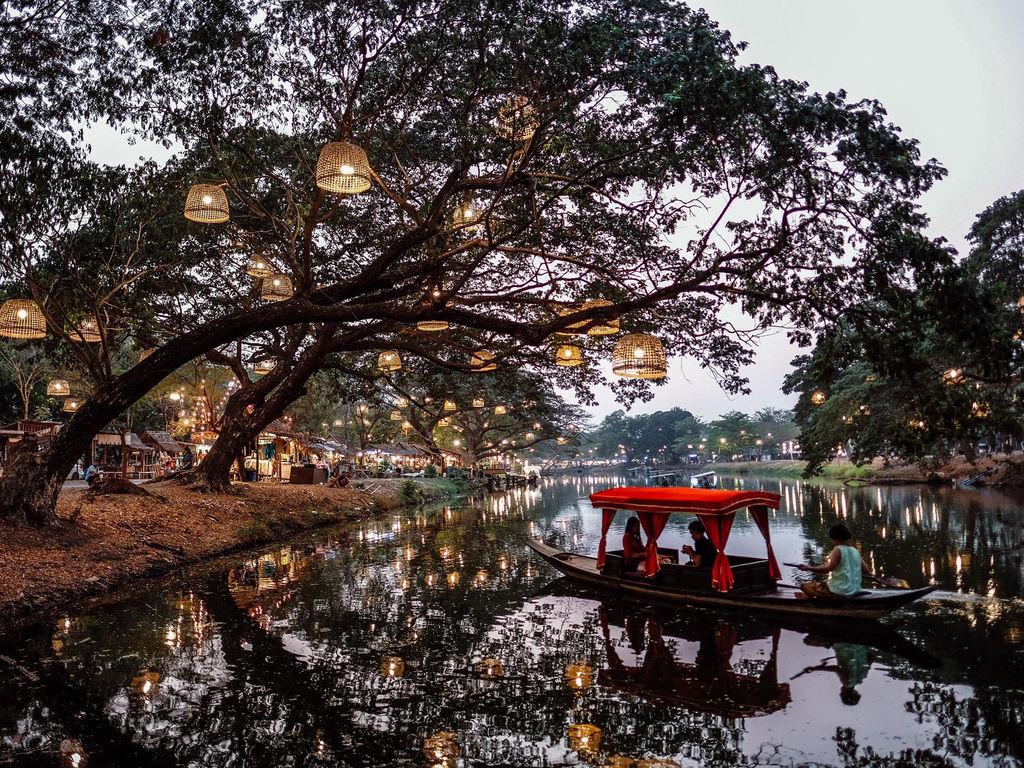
[[118, 485]]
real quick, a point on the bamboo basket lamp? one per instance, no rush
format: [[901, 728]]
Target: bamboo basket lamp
[[432, 326], [264, 367], [22, 319], [389, 360], [479, 402], [276, 287], [58, 388], [396, 415], [70, 405], [88, 331], [568, 356], [258, 267], [818, 397], [482, 361], [450, 406], [607, 327], [343, 168], [207, 204], [516, 119], [639, 356]]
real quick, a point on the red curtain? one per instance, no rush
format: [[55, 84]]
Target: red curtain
[[718, 527], [760, 515], [606, 522], [653, 524]]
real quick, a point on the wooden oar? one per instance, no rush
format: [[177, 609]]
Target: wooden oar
[[887, 581]]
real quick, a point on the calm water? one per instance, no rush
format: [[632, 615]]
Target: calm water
[[436, 638]]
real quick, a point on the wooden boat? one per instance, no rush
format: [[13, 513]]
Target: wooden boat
[[740, 583]]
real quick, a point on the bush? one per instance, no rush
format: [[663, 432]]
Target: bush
[[430, 471], [410, 493]]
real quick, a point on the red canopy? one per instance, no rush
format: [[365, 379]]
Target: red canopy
[[715, 509], [702, 501]]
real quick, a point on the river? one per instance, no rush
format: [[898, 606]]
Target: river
[[436, 637]]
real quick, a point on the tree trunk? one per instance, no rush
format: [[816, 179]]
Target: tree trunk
[[30, 485]]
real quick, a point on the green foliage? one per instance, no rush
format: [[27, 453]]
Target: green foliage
[[430, 471], [410, 493]]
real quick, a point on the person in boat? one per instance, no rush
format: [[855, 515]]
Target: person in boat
[[844, 567], [703, 552], [633, 553]]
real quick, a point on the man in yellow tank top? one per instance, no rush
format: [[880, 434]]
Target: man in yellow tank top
[[844, 567]]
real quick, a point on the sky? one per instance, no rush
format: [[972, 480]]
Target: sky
[[947, 72]]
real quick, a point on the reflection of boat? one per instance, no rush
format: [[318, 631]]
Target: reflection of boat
[[745, 583], [707, 684]]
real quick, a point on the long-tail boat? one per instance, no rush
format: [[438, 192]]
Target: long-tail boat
[[732, 581]]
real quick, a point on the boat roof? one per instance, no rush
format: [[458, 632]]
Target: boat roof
[[705, 501]]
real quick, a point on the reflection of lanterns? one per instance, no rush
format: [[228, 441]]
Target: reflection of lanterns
[[146, 682], [656, 762], [22, 319], [58, 388], [585, 739], [432, 326], [389, 360], [206, 204], [343, 168], [500, 410], [72, 754], [639, 356], [392, 666], [453, 579], [276, 287], [442, 748], [818, 397], [482, 361], [88, 331], [517, 119], [618, 761], [579, 676], [952, 376], [490, 668], [568, 355]]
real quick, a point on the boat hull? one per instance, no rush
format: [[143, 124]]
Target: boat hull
[[784, 600]]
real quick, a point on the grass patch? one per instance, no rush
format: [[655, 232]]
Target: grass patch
[[794, 469]]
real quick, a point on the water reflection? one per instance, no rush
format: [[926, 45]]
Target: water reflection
[[435, 639]]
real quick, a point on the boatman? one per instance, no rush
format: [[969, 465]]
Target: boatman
[[844, 567]]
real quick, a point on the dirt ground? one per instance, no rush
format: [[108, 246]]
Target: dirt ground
[[105, 541]]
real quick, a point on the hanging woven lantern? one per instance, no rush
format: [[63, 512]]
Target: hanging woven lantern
[[389, 360], [406, 426], [276, 287], [639, 356], [980, 410], [22, 319], [818, 397], [568, 355], [207, 204], [395, 415], [444, 422], [482, 361], [585, 739], [343, 168], [589, 327], [258, 267], [952, 376], [58, 388], [479, 402], [467, 214], [432, 326], [517, 119], [88, 331], [449, 405], [146, 353], [490, 668], [264, 367], [70, 405], [500, 410]]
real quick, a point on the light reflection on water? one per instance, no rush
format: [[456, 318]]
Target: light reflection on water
[[436, 638]]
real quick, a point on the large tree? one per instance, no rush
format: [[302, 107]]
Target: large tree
[[524, 158]]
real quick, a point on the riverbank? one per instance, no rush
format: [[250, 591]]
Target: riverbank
[[998, 471], [106, 541]]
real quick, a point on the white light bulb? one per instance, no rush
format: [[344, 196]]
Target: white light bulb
[[207, 199], [22, 314], [346, 169]]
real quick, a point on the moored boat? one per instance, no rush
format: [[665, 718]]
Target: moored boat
[[743, 583]]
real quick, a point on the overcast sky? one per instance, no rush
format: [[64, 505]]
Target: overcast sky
[[949, 74], [947, 71]]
